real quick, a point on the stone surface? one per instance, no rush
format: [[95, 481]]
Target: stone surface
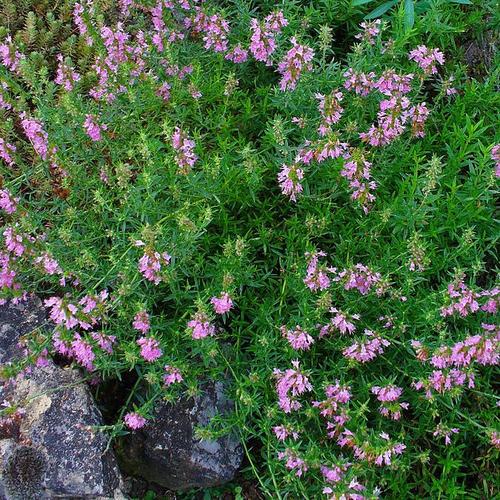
[[17, 320], [54, 452], [167, 452]]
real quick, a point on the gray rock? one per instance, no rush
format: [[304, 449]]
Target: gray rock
[[56, 452], [167, 452], [17, 320]]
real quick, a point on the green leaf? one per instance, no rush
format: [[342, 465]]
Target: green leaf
[[409, 14], [355, 3], [381, 9], [462, 2]]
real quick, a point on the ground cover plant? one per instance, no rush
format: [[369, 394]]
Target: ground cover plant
[[284, 196]]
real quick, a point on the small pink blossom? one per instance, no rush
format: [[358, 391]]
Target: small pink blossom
[[222, 304], [150, 349], [289, 180], [171, 376], [141, 322], [134, 421], [200, 326], [298, 338]]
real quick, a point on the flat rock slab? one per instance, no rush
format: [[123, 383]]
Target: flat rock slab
[[167, 452], [17, 320], [55, 452]]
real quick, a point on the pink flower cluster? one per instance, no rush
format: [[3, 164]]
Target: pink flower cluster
[[222, 304], [134, 421], [298, 338], [297, 60], [427, 58], [3, 103], [184, 146], [200, 326], [150, 265], [334, 408], [367, 349], [283, 432], [141, 322], [7, 201], [150, 349], [388, 397], [6, 151], [263, 39], [464, 301], [36, 134], [66, 314], [357, 170], [495, 156], [316, 277], [445, 432], [172, 375], [289, 179], [330, 109], [293, 462], [216, 30], [341, 322], [290, 384], [371, 29], [10, 57], [65, 74], [237, 55], [379, 455], [359, 277], [92, 128]]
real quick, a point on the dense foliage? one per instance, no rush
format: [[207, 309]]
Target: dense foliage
[[273, 195]]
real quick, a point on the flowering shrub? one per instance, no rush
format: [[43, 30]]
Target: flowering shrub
[[201, 191]]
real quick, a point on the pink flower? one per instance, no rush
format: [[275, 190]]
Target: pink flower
[[222, 304], [35, 133], [367, 349], [9, 56], [361, 83], [262, 42], [172, 375], [92, 128], [141, 322], [216, 31], [330, 109], [6, 152], [282, 432], [184, 146], [134, 421], [7, 201], [340, 322], [370, 31], [150, 265], [290, 384], [297, 60], [427, 58], [289, 180], [65, 75], [293, 462], [388, 396], [82, 352], [299, 339], [150, 349], [445, 432], [104, 341], [200, 326], [164, 91], [359, 277], [495, 156], [237, 55], [316, 277]]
